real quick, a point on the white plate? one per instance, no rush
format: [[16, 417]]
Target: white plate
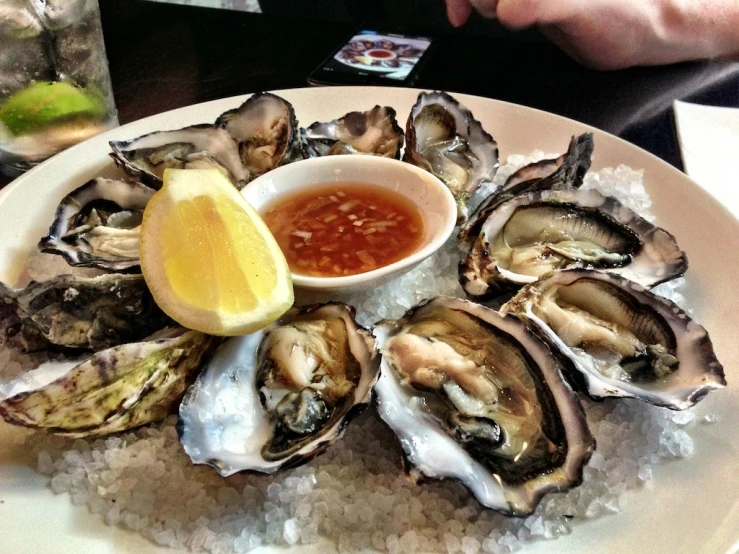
[[694, 503]]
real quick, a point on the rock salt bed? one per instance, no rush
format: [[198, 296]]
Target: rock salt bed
[[355, 495]]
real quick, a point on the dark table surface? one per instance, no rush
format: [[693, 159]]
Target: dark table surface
[[165, 56]]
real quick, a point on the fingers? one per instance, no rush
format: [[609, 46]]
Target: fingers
[[486, 8], [458, 11], [517, 14]]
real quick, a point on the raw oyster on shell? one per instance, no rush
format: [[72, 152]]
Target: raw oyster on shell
[[110, 391], [266, 131], [476, 396], [278, 397], [444, 138], [199, 146], [623, 340], [375, 131], [534, 233], [80, 312], [97, 225], [563, 173]]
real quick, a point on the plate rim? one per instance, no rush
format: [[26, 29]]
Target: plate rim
[[705, 198]]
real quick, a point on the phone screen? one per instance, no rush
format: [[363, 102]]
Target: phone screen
[[375, 56]]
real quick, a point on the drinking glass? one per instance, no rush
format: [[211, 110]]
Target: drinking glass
[[54, 82]]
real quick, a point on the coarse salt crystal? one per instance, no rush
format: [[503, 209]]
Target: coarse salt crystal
[[291, 531]]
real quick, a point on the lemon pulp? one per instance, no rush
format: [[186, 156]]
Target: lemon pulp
[[209, 259]]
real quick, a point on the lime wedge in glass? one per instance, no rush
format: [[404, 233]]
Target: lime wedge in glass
[[43, 104]]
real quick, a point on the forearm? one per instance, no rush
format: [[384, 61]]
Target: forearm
[[700, 29], [612, 34]]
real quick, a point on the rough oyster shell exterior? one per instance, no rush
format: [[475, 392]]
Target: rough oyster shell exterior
[[444, 138], [654, 320], [375, 132], [563, 173], [82, 312], [266, 132], [97, 225], [231, 420], [467, 348], [114, 390], [198, 146], [656, 259]]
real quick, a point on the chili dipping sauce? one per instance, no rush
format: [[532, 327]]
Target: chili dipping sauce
[[341, 229]]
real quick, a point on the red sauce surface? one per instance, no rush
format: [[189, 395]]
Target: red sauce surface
[[379, 53], [344, 228]]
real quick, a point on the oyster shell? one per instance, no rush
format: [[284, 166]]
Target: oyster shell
[[375, 131], [282, 395], [266, 131], [117, 389], [97, 225], [476, 396], [444, 138], [531, 234], [563, 173], [199, 146], [624, 340], [81, 312]]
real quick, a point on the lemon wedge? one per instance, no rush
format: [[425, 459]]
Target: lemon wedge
[[209, 260]]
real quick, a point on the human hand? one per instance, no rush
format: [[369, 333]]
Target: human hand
[[612, 34]]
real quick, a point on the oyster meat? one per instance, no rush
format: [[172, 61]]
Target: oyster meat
[[81, 312], [444, 138], [563, 173], [280, 396], [266, 131], [113, 390], [375, 131], [476, 396], [624, 340], [534, 233], [97, 225], [199, 146]]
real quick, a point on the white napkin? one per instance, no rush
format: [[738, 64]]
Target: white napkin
[[709, 143]]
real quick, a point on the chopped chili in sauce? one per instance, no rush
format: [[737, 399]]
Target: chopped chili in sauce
[[344, 228]]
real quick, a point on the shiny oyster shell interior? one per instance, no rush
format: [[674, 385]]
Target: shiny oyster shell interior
[[97, 225], [563, 173], [534, 233], [83, 312], [280, 396], [199, 146], [109, 391], [476, 396], [375, 131], [444, 138], [624, 340], [266, 131]]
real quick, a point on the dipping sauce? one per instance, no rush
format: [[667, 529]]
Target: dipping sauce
[[341, 229], [380, 53]]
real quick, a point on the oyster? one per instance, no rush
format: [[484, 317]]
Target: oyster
[[117, 389], [199, 146], [266, 131], [375, 131], [624, 340], [444, 138], [537, 232], [476, 396], [97, 225], [282, 395], [563, 173], [16, 333], [81, 312]]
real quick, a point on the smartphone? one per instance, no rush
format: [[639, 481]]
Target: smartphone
[[373, 58]]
